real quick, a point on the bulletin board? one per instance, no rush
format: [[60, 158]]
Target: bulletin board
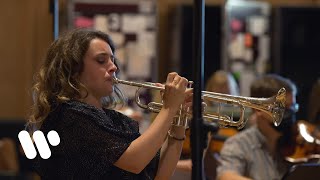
[[246, 44], [132, 27]]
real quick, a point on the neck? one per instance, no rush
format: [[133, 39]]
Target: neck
[[93, 101]]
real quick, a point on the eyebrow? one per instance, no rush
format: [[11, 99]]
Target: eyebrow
[[105, 54]]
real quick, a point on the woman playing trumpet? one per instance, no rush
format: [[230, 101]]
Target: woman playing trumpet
[[73, 93]]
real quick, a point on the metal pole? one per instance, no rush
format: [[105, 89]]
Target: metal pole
[[197, 140], [55, 19]]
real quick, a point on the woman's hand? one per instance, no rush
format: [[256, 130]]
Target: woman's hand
[[175, 92]]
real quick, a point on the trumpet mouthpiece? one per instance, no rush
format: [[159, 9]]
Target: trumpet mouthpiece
[[115, 80]]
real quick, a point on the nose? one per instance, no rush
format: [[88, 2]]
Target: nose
[[113, 68]]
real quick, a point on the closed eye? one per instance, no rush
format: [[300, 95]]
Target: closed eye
[[101, 60], [104, 57]]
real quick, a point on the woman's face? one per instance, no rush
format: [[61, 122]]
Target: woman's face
[[98, 69]]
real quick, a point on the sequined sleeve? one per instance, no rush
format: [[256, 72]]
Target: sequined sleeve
[[94, 140]]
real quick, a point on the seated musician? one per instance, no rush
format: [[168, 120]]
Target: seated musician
[[256, 153]]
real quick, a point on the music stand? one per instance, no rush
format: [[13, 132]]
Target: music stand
[[303, 171]]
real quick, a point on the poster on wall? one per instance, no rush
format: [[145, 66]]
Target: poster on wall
[[246, 50]]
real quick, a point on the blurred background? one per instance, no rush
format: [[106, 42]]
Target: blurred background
[[153, 38]]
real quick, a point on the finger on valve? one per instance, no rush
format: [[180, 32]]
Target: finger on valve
[[171, 77]]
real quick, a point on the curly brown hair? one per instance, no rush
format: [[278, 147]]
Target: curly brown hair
[[58, 78]]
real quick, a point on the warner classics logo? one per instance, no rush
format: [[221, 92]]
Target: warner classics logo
[[40, 142]]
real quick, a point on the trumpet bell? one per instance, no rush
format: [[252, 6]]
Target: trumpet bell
[[278, 108], [273, 106]]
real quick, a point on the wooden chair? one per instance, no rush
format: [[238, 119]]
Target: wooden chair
[[9, 163]]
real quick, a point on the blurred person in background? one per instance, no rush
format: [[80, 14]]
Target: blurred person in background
[[258, 152]]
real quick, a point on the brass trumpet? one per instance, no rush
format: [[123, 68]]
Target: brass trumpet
[[273, 106]]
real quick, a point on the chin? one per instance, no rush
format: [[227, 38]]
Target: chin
[[109, 92]]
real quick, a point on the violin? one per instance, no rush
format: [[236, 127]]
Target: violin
[[217, 139], [307, 144], [186, 147], [216, 142]]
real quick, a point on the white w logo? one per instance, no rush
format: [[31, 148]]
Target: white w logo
[[40, 141]]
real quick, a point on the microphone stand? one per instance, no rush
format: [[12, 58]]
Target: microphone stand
[[197, 140], [54, 10]]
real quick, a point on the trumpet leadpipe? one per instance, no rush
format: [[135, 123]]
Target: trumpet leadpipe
[[136, 84]]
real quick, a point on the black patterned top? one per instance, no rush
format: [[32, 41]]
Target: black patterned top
[[91, 141]]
